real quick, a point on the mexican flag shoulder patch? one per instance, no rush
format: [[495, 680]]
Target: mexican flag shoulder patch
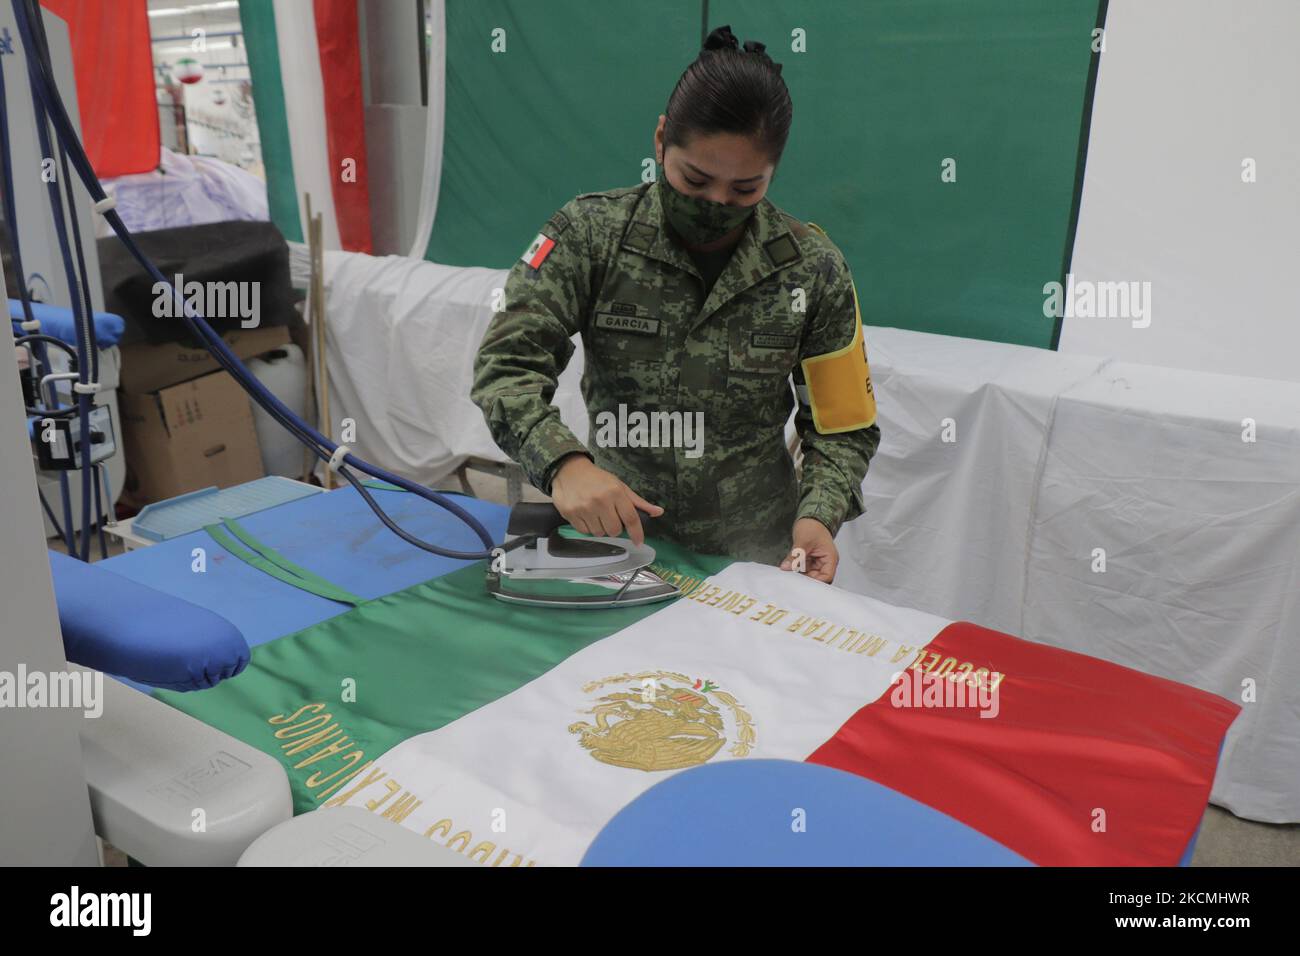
[[537, 252]]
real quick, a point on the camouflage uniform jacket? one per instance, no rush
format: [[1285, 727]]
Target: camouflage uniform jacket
[[606, 268]]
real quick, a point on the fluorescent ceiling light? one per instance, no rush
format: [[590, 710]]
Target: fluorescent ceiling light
[[194, 8], [189, 48]]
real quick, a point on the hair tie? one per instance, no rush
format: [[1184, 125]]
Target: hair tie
[[753, 46], [722, 39]]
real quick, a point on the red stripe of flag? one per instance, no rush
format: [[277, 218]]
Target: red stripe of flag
[[1073, 736], [345, 119]]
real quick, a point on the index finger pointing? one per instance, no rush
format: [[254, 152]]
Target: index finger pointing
[[651, 509]]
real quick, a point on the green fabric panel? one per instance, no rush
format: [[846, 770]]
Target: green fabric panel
[[885, 92], [257, 18], [420, 658], [570, 107], [229, 534], [383, 485]]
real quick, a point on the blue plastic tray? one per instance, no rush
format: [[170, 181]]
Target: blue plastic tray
[[190, 512]]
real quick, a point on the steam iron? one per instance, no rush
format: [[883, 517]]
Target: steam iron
[[542, 567]]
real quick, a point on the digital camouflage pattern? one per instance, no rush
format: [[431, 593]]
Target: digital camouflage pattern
[[655, 342], [699, 221]]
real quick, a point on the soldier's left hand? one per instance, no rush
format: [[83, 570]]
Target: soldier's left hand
[[819, 555]]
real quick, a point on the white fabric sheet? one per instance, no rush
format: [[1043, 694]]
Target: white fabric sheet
[[947, 521], [185, 191], [402, 335], [1202, 538]]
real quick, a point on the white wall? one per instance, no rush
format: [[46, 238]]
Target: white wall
[[1187, 90]]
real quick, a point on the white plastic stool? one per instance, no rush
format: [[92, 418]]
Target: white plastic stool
[[347, 836]]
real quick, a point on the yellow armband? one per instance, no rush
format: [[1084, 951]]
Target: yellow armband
[[839, 382]]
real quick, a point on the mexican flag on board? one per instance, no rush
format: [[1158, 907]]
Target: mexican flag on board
[[442, 708]]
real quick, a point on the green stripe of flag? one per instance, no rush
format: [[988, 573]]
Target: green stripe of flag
[[258, 21]]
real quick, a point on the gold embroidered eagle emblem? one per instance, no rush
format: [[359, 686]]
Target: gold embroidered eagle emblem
[[659, 720]]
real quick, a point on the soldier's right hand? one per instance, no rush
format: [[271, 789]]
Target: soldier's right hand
[[598, 503]]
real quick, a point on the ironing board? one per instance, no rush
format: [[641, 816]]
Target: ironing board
[[331, 535]]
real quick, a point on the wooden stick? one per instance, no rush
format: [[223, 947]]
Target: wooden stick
[[319, 279], [309, 387]]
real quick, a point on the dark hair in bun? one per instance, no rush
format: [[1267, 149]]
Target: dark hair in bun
[[730, 88]]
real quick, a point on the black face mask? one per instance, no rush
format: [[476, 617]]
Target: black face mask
[[699, 221]]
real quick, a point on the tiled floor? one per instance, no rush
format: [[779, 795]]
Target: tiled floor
[[1225, 840]]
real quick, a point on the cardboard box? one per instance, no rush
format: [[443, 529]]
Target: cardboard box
[[188, 436], [148, 368]]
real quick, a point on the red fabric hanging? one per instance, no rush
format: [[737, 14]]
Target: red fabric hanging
[[115, 82], [345, 120]]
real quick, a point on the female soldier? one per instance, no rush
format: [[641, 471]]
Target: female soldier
[[693, 294]]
